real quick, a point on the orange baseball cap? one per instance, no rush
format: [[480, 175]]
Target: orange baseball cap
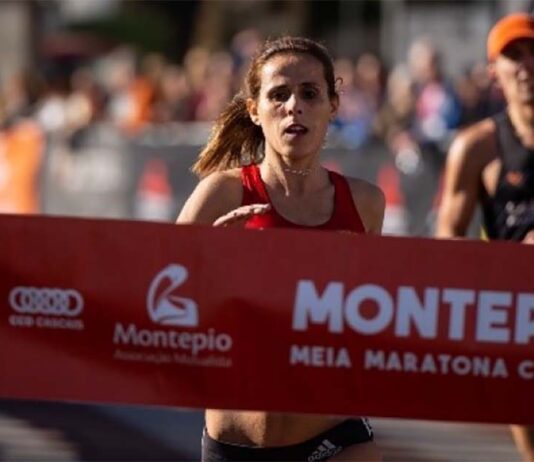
[[506, 30]]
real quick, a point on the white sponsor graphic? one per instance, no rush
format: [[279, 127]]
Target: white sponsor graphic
[[448, 314], [207, 348], [437, 363], [45, 307], [192, 342], [501, 316], [525, 369], [47, 301], [164, 306], [319, 356], [325, 450]]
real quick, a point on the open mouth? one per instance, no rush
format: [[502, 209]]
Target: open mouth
[[296, 129]]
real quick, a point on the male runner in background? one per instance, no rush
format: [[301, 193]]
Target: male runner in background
[[492, 162]]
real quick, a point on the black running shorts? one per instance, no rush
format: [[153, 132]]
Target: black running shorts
[[316, 449]]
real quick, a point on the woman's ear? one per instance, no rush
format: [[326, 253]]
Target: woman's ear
[[252, 109], [334, 106]]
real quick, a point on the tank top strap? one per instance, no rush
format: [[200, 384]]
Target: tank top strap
[[345, 211], [512, 153], [253, 188], [506, 141]]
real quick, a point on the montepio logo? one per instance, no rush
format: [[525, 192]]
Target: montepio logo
[[164, 305], [179, 339], [46, 307]]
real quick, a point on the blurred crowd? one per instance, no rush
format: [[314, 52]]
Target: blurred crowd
[[413, 108]]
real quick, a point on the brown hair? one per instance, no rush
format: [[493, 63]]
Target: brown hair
[[234, 134]]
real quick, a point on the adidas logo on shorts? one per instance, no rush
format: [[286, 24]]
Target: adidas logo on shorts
[[324, 450], [367, 425]]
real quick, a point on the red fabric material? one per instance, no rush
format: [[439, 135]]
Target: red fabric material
[[195, 316], [345, 216]]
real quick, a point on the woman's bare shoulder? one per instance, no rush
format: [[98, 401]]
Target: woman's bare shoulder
[[363, 190], [370, 202], [215, 195], [225, 179]]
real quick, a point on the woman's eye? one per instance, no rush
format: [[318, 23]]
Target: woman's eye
[[309, 94], [279, 95]]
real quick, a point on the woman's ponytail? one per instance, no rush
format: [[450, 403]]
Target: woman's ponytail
[[234, 136]]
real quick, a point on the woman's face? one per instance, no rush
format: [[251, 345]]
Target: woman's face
[[293, 107]]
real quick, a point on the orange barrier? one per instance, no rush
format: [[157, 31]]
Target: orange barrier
[[130, 312]]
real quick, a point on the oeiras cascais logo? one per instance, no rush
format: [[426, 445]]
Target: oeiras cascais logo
[[46, 301], [164, 306], [46, 307]]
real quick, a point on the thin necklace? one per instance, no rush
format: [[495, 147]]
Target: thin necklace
[[297, 171], [293, 171]]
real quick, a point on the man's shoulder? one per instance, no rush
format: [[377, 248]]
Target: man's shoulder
[[476, 143], [478, 134]]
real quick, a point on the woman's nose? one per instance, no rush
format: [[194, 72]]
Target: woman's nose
[[293, 105]]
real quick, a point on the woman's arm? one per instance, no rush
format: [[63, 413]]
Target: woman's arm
[[214, 196], [217, 201]]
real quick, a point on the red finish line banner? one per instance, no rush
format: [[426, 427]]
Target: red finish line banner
[[124, 312]]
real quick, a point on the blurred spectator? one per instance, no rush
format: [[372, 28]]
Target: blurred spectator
[[420, 151], [242, 47], [51, 112], [478, 97], [217, 84], [195, 66], [117, 71], [173, 97], [397, 114], [437, 108], [395, 125], [472, 102], [370, 78], [21, 94], [86, 102], [141, 92], [353, 122], [21, 143]]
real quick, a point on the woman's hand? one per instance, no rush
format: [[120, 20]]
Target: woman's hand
[[239, 216], [529, 238]]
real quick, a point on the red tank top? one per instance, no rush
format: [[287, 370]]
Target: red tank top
[[345, 216]]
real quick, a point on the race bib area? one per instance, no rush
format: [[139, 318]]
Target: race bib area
[[108, 311]]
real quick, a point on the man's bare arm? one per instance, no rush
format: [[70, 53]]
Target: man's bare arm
[[462, 182]]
